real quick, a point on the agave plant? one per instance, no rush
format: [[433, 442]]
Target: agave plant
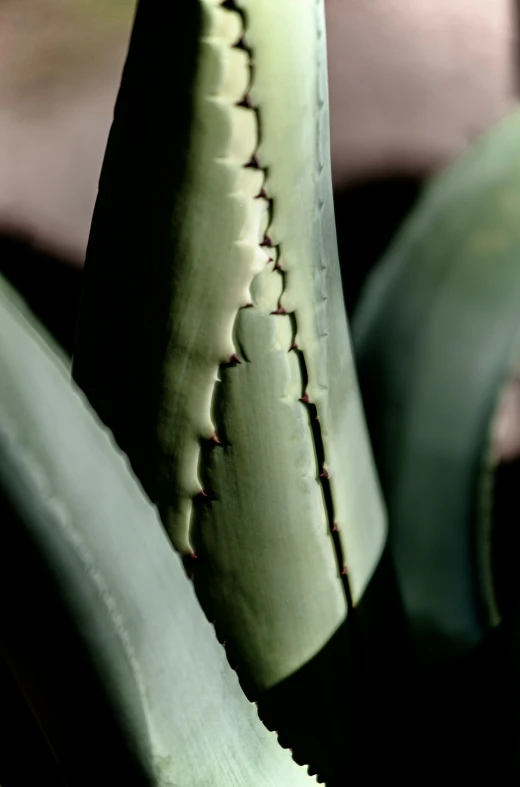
[[213, 342], [213, 345]]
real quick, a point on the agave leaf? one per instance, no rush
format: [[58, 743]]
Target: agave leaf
[[212, 252], [436, 336], [114, 595], [159, 321]]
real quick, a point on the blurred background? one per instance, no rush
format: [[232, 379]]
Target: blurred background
[[412, 84]]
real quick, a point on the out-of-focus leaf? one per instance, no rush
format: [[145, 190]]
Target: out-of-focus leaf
[[436, 336], [99, 623]]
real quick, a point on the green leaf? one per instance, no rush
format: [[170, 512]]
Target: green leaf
[[144, 694], [214, 236], [436, 336], [172, 258]]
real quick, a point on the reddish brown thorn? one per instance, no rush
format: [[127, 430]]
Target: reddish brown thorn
[[316, 418], [253, 163], [249, 305], [277, 266], [280, 310], [305, 398], [241, 44], [267, 242], [203, 493], [194, 556], [344, 571], [235, 359], [261, 194], [214, 439], [335, 527], [324, 473], [245, 102], [293, 346]]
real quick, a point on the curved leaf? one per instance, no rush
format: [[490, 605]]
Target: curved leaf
[[436, 336], [142, 689]]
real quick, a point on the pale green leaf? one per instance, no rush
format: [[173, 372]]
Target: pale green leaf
[[115, 586]]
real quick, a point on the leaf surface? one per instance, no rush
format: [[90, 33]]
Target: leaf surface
[[120, 614]]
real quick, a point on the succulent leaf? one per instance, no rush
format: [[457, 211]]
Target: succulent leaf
[[212, 253], [437, 338], [119, 613]]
